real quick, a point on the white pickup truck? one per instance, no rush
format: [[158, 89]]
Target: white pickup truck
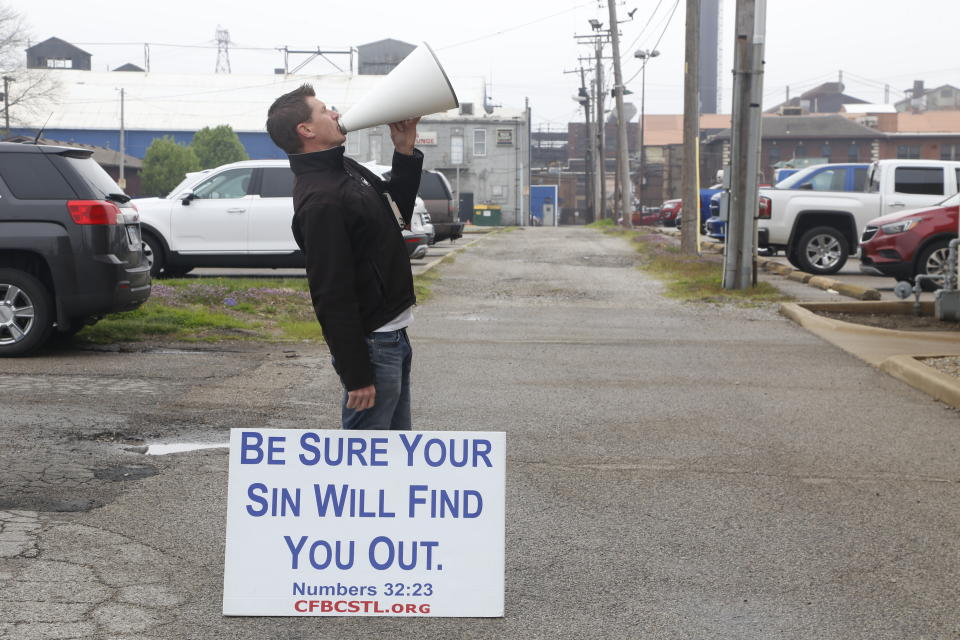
[[818, 230]]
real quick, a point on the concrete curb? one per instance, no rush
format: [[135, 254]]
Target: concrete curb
[[893, 352], [433, 263], [821, 282], [941, 386]]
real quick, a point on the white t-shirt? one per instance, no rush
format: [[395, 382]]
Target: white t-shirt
[[401, 321]]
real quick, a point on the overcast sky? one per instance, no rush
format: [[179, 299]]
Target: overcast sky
[[524, 47]]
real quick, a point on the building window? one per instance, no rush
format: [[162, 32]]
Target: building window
[[908, 151], [353, 146], [800, 151], [59, 63], [479, 142], [826, 151], [950, 152], [773, 155], [853, 153]]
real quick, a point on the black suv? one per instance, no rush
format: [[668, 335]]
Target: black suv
[[69, 245]]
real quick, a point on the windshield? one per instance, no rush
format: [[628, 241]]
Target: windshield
[[791, 180]]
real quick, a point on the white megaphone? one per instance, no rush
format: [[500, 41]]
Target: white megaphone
[[418, 86]]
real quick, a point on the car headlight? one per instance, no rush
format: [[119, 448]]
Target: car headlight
[[900, 226]]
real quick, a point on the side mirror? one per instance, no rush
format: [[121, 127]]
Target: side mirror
[[185, 200]]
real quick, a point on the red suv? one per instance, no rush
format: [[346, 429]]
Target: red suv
[[904, 245]]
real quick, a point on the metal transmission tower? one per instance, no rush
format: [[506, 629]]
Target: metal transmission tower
[[223, 50]]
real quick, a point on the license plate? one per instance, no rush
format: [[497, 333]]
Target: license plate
[[133, 235]]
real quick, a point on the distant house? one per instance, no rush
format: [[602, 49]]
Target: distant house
[[795, 140], [825, 98], [54, 53], [943, 98], [129, 67], [380, 57]]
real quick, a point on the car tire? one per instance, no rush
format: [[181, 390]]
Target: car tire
[[822, 251], [153, 254], [176, 272], [26, 313], [933, 261]]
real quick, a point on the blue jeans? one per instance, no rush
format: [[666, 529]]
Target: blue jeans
[[391, 356]]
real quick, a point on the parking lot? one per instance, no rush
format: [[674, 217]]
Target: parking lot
[[668, 471]]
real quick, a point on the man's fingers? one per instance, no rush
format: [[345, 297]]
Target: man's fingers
[[361, 399]]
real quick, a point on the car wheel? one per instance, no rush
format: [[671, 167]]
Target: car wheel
[[26, 313], [153, 253], [933, 262], [822, 251]]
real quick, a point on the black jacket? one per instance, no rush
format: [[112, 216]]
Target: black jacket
[[357, 262]]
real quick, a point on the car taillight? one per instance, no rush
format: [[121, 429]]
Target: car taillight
[[765, 208], [93, 211]]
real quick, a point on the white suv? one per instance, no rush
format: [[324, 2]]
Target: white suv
[[236, 215]]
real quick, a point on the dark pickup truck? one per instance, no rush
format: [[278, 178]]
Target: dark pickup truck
[[70, 248]]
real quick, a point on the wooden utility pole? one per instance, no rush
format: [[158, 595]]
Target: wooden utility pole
[[690, 181], [601, 137], [623, 151], [740, 255]]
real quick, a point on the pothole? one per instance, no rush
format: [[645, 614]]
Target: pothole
[[117, 437]]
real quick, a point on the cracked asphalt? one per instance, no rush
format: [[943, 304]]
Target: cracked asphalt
[[676, 470]]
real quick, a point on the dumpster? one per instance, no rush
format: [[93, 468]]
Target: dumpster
[[487, 215]]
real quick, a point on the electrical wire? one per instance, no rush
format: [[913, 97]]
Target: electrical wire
[[514, 28], [657, 43]]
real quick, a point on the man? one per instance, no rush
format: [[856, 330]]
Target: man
[[357, 265]]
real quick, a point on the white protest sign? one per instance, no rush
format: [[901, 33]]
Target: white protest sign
[[354, 523]]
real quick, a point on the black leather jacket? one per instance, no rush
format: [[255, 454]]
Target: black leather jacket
[[356, 259]]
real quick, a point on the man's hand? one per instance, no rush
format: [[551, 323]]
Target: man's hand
[[361, 399], [404, 135]]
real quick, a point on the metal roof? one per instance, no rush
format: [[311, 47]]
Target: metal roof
[[189, 102]]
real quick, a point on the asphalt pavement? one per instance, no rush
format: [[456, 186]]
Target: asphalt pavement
[[675, 470]]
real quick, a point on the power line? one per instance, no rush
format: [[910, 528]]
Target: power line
[[657, 43], [514, 28]]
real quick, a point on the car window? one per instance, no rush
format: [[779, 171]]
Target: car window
[[31, 176], [873, 179], [233, 183], [919, 180], [829, 180], [859, 178], [94, 175], [277, 183], [433, 188]]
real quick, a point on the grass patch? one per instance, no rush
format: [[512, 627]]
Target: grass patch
[[220, 309], [696, 278], [423, 283], [604, 223]]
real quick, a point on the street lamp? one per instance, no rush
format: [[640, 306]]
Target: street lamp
[[645, 55], [595, 24]]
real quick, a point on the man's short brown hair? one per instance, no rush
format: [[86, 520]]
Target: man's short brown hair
[[285, 114]]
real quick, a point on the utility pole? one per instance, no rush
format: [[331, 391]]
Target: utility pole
[[598, 38], [6, 102], [601, 137], [690, 181], [623, 150], [588, 152], [122, 183], [583, 99], [739, 271]]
